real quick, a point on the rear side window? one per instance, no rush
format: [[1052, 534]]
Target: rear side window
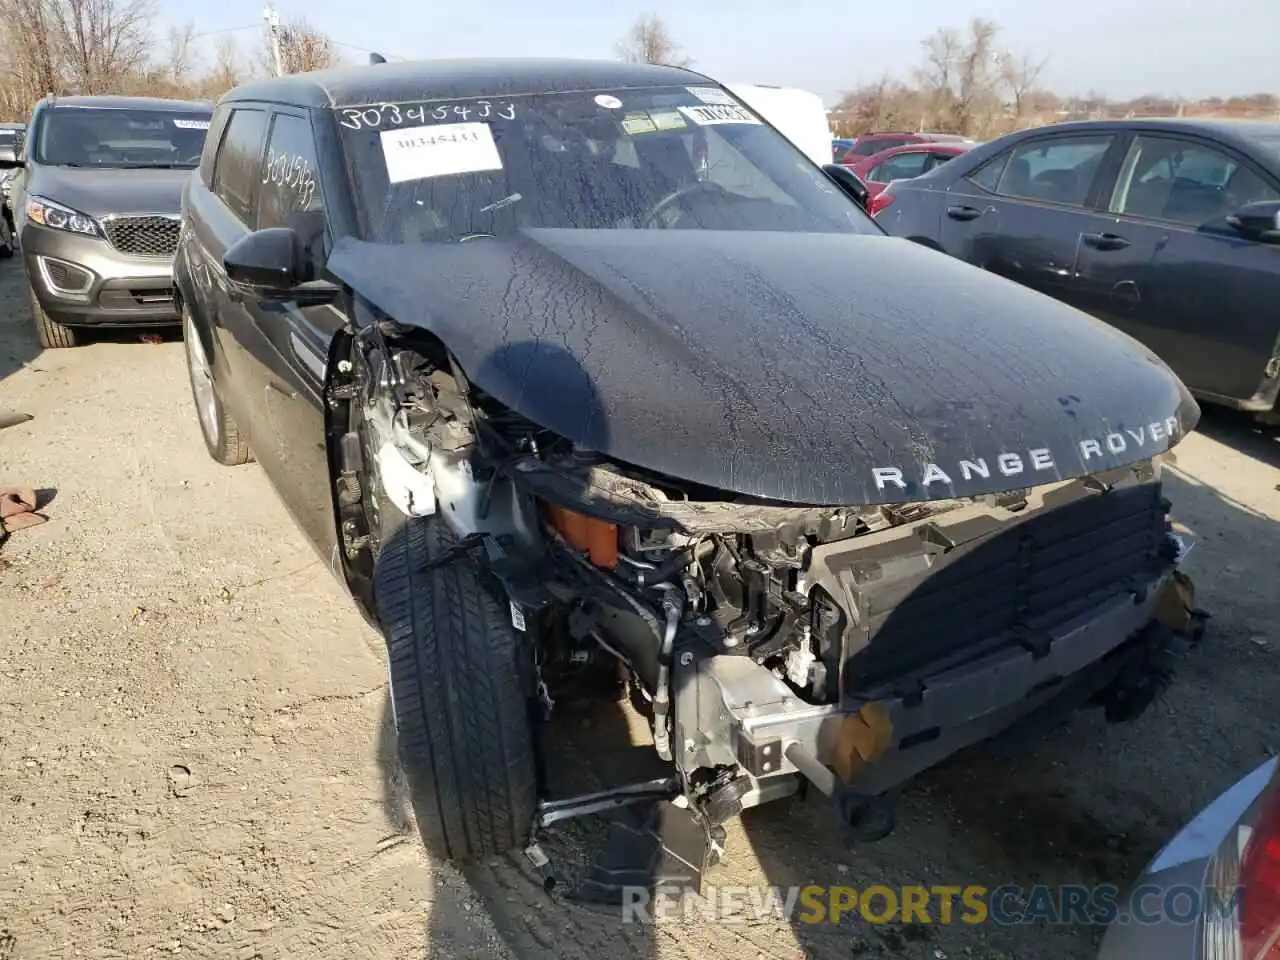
[[1060, 170], [865, 148], [987, 176], [216, 126], [902, 166], [236, 170], [290, 192]]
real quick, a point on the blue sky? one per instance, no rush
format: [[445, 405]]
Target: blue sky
[[1122, 48]]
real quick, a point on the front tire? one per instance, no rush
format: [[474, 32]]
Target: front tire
[[221, 435], [459, 694], [53, 335]]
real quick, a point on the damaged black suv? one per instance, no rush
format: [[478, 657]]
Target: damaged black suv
[[570, 365]]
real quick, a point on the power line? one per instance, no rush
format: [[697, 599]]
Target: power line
[[211, 33]]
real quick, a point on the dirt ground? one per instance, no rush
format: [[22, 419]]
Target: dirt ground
[[195, 757]]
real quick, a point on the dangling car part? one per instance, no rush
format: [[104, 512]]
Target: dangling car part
[[593, 401]]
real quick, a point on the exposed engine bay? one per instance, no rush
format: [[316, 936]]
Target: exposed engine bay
[[766, 643]]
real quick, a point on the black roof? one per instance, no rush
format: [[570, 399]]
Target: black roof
[[124, 103], [1244, 133], [457, 79]]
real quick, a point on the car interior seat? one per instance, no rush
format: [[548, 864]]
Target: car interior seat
[[1017, 178]]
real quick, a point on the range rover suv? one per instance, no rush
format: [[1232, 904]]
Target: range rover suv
[[96, 209]]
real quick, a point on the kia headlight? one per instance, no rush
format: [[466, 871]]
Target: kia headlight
[[55, 215]]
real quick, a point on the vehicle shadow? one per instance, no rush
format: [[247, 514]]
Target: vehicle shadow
[[18, 343], [1241, 432]]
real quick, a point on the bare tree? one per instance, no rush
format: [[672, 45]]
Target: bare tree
[[179, 59], [649, 41], [104, 41], [229, 68], [961, 77], [30, 53], [1020, 73], [302, 49], [887, 104]]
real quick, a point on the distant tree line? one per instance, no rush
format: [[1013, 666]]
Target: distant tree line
[[968, 83], [109, 46]]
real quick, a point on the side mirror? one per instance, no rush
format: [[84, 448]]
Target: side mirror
[[1258, 221], [265, 263], [848, 181]]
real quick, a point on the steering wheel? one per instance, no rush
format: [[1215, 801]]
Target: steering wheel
[[650, 219]]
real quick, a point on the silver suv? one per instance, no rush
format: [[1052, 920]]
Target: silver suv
[[96, 209]]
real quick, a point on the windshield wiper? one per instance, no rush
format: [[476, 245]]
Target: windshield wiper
[[157, 166]]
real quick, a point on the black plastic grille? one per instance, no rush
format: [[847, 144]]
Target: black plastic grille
[[152, 236], [1010, 586]]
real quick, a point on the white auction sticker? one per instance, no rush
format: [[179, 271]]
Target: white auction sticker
[[608, 101], [183, 124], [709, 114], [417, 153], [713, 95]]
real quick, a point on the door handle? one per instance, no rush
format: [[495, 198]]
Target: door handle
[[1104, 241], [963, 213]]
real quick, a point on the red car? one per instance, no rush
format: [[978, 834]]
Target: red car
[[904, 163], [869, 143]]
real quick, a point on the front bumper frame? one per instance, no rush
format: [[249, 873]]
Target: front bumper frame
[[730, 710], [123, 290]]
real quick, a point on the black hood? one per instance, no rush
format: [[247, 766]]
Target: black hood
[[806, 368], [98, 192]]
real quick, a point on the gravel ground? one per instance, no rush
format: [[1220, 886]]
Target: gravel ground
[[195, 757]]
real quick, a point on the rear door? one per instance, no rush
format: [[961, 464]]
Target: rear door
[[1171, 271], [221, 217], [293, 338], [1021, 214]]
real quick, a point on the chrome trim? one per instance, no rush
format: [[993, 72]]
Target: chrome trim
[[42, 264], [105, 222]]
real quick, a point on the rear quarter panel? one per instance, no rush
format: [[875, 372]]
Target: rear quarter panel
[[916, 211]]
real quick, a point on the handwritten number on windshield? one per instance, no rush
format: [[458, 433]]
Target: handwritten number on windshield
[[396, 114]]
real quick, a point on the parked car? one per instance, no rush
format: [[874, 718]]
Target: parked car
[[869, 143], [797, 114], [96, 209], [571, 364], [1166, 229], [11, 135], [1214, 890], [903, 163]]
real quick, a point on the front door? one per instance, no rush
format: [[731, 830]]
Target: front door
[[223, 219], [295, 337], [1022, 213]]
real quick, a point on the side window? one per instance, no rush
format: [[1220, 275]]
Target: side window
[[235, 169], [865, 148], [987, 176], [217, 124], [289, 195], [902, 166], [1059, 170], [938, 159], [1185, 182]]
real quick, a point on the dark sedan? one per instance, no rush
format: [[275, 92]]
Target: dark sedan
[[1167, 229]]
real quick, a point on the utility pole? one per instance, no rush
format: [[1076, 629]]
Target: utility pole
[[273, 34]]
